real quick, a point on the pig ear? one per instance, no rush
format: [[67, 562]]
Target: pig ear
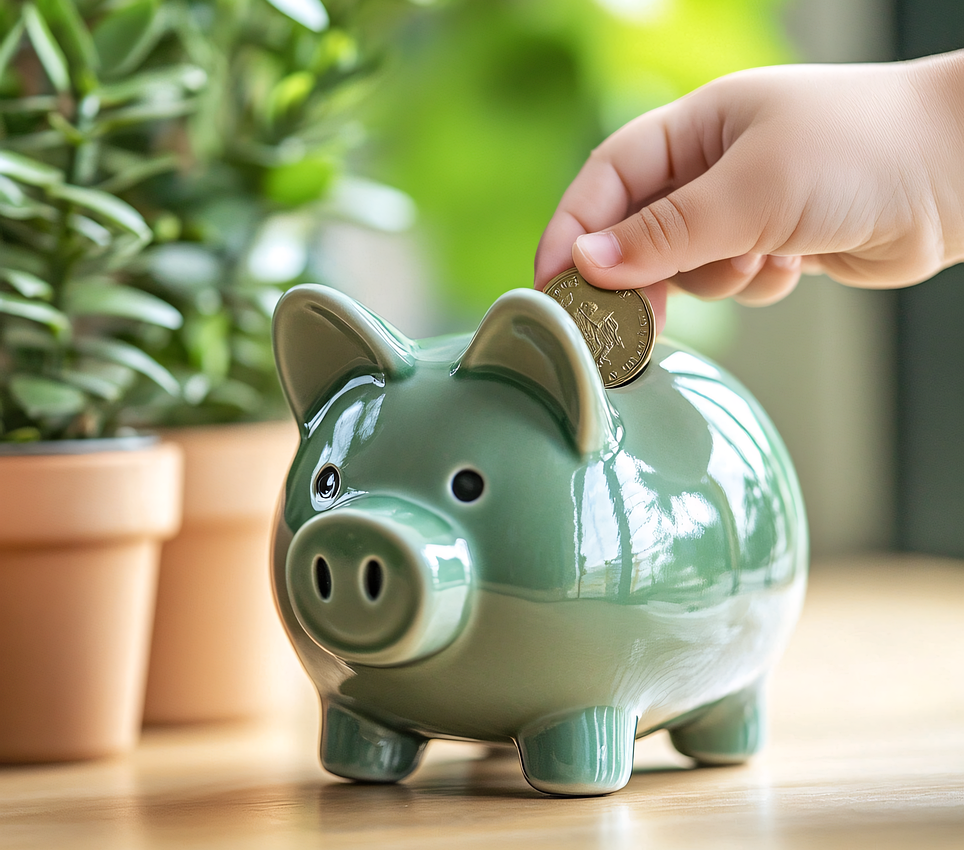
[[322, 337], [527, 337]]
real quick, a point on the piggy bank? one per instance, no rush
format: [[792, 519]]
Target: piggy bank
[[477, 541]]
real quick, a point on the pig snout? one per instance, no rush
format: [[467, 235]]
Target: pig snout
[[379, 581]]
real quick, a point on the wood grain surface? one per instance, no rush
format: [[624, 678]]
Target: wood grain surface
[[866, 750]]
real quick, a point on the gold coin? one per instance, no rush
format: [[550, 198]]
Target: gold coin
[[618, 325]]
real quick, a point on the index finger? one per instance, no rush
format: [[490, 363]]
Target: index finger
[[631, 166]]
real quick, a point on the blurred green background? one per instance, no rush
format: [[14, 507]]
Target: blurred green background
[[411, 152], [488, 109], [485, 112]]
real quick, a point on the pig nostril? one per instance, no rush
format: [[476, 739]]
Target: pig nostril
[[467, 485], [323, 578], [374, 579]]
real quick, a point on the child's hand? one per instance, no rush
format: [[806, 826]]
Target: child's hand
[[733, 190]]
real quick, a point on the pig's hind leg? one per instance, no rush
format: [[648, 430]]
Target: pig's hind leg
[[580, 753], [356, 747], [726, 732]]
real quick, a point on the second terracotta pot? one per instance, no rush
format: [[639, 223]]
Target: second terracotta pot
[[218, 650]]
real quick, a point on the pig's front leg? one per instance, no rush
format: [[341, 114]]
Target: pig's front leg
[[581, 753], [356, 747], [727, 732]]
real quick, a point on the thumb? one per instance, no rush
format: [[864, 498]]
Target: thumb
[[718, 215]]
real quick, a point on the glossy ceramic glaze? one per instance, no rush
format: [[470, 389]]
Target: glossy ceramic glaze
[[636, 558]]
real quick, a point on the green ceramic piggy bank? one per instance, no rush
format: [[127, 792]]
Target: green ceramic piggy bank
[[478, 541]]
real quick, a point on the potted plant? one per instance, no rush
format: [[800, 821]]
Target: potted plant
[[84, 502], [225, 126], [264, 155]]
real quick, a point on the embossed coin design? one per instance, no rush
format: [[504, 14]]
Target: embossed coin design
[[618, 325]]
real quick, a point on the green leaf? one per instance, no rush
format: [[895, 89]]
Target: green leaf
[[85, 163], [13, 305], [337, 49], [143, 113], [167, 227], [373, 204], [196, 388], [300, 182], [48, 51], [71, 134], [96, 233], [44, 243], [43, 398], [65, 20], [290, 93], [36, 103], [116, 351], [23, 207], [151, 84], [16, 256], [27, 434], [138, 173], [9, 45], [113, 209], [33, 237], [236, 394], [11, 193], [25, 211], [92, 383], [206, 338], [41, 141], [97, 299], [28, 170], [28, 285], [28, 336], [181, 266], [124, 37], [253, 353], [309, 13]]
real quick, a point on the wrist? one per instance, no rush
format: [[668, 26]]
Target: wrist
[[939, 81]]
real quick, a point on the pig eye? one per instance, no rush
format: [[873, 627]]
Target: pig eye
[[327, 482], [467, 485]]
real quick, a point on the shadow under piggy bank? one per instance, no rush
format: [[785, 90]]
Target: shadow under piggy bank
[[478, 541]]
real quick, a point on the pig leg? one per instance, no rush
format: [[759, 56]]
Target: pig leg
[[365, 750], [727, 732], [582, 753]]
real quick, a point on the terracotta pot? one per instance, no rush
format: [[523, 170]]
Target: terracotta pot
[[80, 537], [219, 651]]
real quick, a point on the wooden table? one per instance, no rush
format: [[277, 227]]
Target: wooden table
[[867, 750]]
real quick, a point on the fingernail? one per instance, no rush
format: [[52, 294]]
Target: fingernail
[[748, 263], [785, 262], [601, 249]]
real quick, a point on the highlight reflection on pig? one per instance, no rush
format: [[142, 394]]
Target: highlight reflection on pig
[[478, 541]]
